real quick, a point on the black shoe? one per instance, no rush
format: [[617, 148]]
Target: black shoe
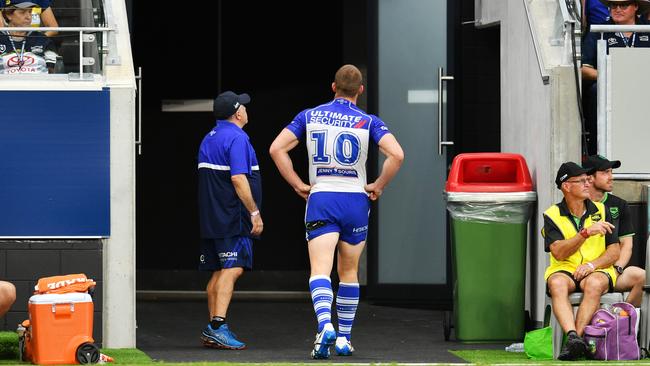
[[574, 348]]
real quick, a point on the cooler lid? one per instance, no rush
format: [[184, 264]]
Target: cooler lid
[[60, 298]]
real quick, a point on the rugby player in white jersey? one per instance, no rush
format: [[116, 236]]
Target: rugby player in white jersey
[[337, 135]]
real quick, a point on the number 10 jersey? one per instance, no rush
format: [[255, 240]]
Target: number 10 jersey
[[337, 136]]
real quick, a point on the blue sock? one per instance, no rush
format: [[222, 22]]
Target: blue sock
[[347, 300], [321, 296]]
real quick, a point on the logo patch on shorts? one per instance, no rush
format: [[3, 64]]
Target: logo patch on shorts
[[614, 212], [227, 254], [361, 229], [313, 225]]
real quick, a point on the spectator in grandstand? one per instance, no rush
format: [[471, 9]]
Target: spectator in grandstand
[[583, 245], [630, 278], [230, 195], [622, 12], [7, 296], [24, 52], [42, 14]]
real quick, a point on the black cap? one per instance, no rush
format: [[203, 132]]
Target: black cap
[[600, 163], [569, 170], [227, 103]]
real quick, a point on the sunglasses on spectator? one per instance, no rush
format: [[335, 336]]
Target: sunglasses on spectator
[[620, 4]]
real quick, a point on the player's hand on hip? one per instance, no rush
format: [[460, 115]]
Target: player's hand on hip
[[303, 190], [258, 225], [373, 191]]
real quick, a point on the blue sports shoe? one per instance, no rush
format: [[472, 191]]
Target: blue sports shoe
[[323, 341], [222, 338], [343, 347]]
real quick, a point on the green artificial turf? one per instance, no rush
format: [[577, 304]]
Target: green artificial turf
[[127, 356], [492, 356]]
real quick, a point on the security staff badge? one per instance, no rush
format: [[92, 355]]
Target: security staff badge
[[596, 217], [614, 212]]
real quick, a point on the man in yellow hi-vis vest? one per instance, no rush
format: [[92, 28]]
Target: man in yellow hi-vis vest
[[583, 245]]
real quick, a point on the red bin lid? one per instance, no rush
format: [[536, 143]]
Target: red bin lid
[[489, 172]]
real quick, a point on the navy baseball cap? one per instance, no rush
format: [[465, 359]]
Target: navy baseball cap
[[19, 4], [600, 163], [569, 170], [227, 103]]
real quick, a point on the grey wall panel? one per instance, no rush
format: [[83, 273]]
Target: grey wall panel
[[629, 122], [412, 44]]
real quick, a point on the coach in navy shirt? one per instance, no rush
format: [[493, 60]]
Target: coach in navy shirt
[[230, 194]]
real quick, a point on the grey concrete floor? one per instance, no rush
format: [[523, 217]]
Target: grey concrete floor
[[284, 332]]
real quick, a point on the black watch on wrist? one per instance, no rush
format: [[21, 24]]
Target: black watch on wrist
[[619, 269]]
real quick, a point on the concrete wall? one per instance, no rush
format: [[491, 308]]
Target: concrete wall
[[119, 250], [538, 120]]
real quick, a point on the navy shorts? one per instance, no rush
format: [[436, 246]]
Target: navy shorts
[[341, 212], [217, 254]]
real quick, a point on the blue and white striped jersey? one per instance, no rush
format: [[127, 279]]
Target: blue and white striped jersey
[[226, 151], [337, 136]]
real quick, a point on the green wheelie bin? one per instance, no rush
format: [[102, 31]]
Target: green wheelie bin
[[489, 197]]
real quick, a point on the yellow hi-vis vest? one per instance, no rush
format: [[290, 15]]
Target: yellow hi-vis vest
[[36, 16], [591, 249]]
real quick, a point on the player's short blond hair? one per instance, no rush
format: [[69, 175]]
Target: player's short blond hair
[[348, 81]]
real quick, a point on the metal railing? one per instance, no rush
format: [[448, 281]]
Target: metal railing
[[533, 32], [86, 35], [565, 34]]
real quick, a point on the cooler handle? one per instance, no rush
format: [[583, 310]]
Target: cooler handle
[[62, 310]]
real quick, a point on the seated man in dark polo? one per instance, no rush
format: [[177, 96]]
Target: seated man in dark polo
[[583, 245], [628, 278]]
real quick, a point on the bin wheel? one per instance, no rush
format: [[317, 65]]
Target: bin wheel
[[87, 353], [447, 324]]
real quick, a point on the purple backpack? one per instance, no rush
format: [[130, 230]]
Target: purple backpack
[[612, 336]]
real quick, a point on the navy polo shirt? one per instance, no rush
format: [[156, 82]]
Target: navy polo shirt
[[589, 48], [226, 151]]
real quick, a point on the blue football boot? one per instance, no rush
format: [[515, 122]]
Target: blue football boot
[[324, 339], [222, 337], [343, 347]]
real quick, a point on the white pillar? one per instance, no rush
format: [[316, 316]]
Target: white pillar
[[119, 323]]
